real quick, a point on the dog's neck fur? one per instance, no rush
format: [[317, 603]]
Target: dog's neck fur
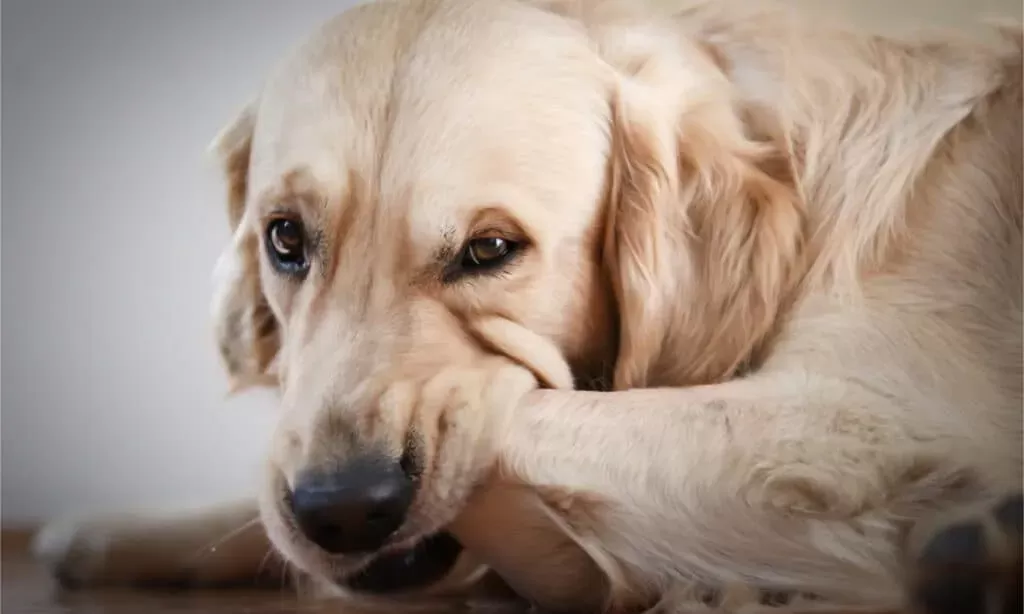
[[845, 140], [838, 133]]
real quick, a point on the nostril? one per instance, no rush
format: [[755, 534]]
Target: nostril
[[356, 509]]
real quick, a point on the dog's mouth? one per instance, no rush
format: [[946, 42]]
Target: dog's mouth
[[424, 564]]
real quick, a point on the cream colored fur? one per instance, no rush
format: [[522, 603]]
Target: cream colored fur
[[793, 253]]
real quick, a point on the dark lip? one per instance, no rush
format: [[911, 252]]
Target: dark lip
[[395, 572]]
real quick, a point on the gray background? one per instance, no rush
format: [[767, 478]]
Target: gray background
[[112, 395]]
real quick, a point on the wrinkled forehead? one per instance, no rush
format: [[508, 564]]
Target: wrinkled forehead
[[437, 107]]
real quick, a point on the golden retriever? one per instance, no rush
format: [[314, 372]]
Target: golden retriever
[[648, 304]]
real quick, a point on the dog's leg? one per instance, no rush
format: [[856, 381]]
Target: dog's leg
[[218, 546], [507, 526], [969, 560], [785, 483]]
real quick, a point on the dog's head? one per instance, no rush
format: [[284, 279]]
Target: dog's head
[[433, 201]]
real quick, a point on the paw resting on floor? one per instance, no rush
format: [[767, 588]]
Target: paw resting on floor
[[74, 552], [969, 562], [156, 553]]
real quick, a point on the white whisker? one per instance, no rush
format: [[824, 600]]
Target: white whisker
[[211, 547]]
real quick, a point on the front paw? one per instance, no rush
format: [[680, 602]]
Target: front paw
[[75, 552], [455, 430], [87, 553], [226, 546]]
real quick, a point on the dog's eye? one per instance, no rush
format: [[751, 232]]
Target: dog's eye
[[487, 252], [483, 255], [286, 241]]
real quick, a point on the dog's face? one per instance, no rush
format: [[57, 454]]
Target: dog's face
[[438, 207], [422, 211]]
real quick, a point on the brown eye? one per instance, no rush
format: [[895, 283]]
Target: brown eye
[[286, 242], [487, 251]]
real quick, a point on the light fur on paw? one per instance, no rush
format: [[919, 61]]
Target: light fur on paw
[[74, 551], [177, 551]]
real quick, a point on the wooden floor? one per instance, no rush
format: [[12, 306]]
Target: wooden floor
[[27, 589]]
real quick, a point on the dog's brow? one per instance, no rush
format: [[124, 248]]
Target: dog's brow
[[448, 246], [295, 195], [441, 259], [322, 244]]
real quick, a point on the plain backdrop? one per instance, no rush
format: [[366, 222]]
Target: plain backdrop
[[112, 392]]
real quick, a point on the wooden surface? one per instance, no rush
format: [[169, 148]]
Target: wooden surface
[[27, 589]]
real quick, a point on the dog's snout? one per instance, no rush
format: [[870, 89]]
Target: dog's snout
[[356, 508]]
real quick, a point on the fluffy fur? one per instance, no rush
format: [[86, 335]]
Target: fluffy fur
[[781, 264]]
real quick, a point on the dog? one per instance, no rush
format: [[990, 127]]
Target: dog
[[641, 305]]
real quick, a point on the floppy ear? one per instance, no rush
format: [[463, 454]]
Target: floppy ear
[[246, 330], [705, 225]]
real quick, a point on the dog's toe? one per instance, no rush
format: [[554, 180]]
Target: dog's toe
[[73, 552], [970, 562]]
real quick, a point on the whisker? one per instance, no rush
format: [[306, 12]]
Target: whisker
[[283, 580], [266, 558], [220, 541]]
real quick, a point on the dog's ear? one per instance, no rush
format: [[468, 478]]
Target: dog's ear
[[705, 224], [245, 327]]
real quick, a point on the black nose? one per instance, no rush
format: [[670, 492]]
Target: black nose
[[355, 509]]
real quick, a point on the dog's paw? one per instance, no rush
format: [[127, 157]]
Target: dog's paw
[[74, 552], [970, 561], [128, 551], [215, 546]]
